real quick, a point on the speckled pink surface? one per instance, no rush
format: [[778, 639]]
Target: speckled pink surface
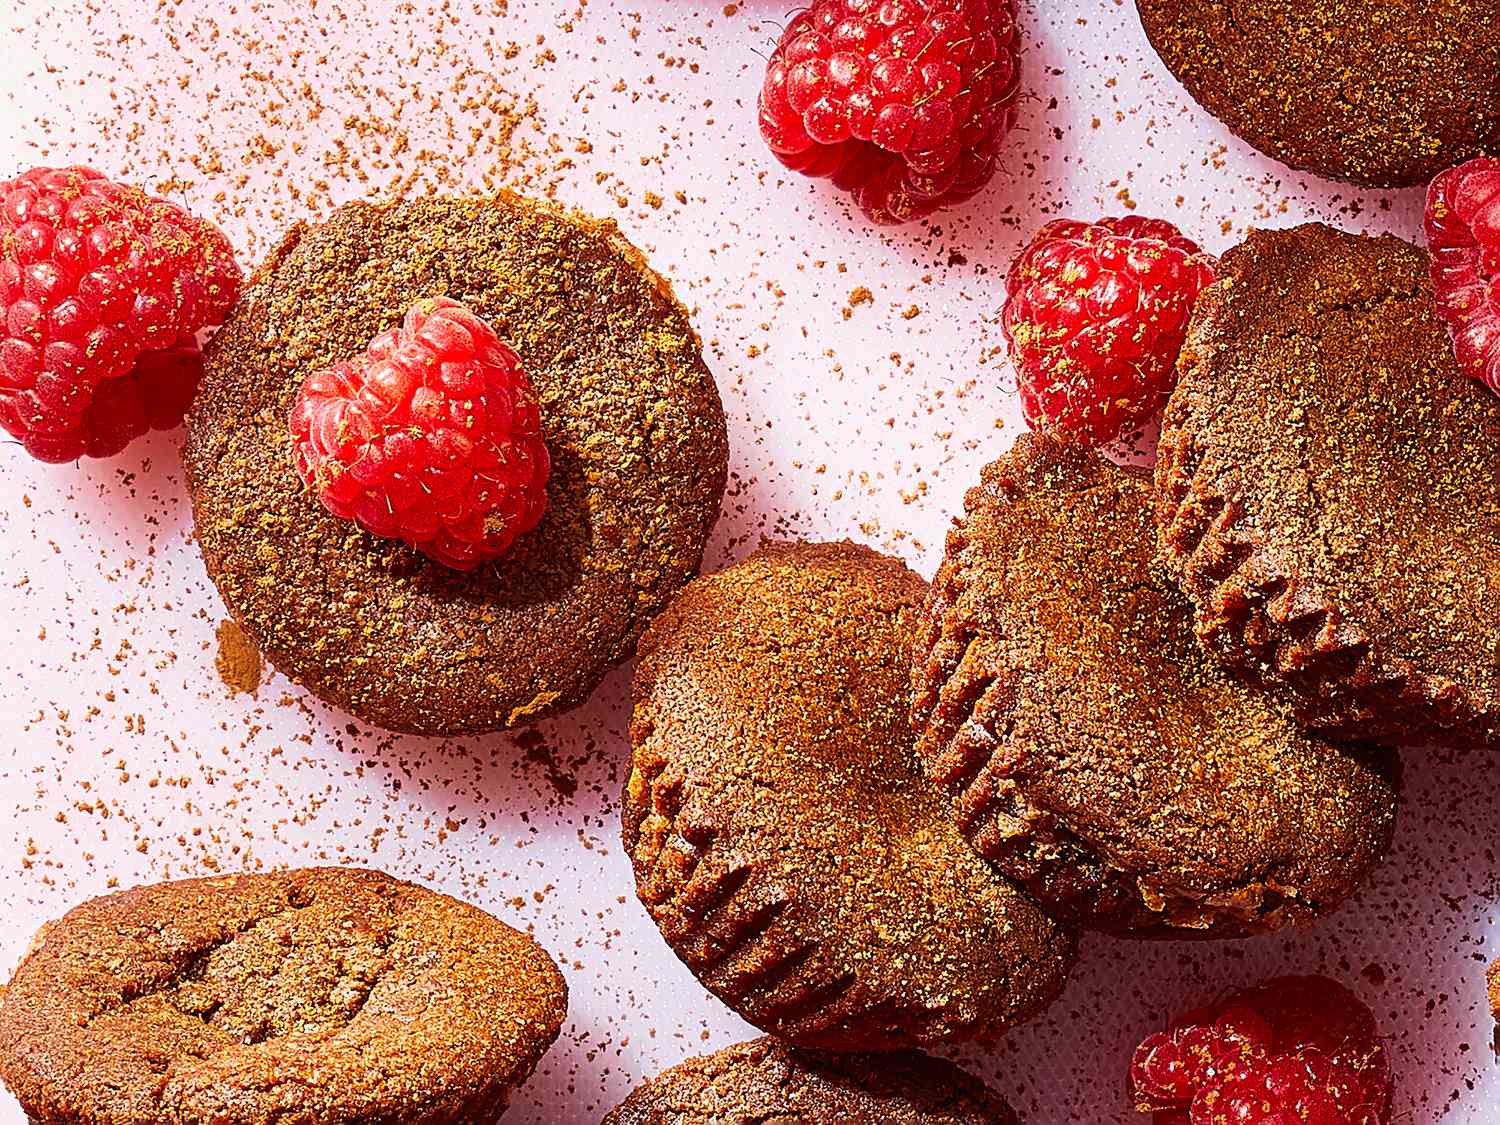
[[127, 759]]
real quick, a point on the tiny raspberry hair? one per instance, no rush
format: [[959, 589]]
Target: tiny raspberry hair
[[1293, 1051], [1095, 315], [431, 436], [902, 103], [1463, 238], [102, 288]]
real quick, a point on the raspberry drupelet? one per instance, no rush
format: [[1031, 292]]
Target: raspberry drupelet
[[1293, 1051], [902, 103], [431, 436], [1095, 315], [101, 290], [1463, 238]]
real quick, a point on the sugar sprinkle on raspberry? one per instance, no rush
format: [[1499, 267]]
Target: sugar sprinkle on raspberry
[[431, 436], [102, 287], [902, 103], [1463, 238], [1095, 315], [1293, 1051]]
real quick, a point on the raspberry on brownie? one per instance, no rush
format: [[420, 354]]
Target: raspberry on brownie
[[634, 430], [1385, 93], [1329, 490], [333, 995], [768, 1081], [782, 835], [1089, 747], [431, 436]]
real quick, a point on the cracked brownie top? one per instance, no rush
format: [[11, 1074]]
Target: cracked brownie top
[[1329, 490], [328, 995]]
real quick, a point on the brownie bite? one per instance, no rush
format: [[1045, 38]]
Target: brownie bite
[[1384, 93], [339, 996], [1329, 490], [782, 835], [768, 1081], [630, 416], [1093, 752]]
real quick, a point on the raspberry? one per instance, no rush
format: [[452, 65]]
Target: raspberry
[[1293, 1051], [431, 436], [1463, 235], [902, 103], [101, 289], [1095, 314]]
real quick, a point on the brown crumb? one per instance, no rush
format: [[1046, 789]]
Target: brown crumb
[[238, 660]]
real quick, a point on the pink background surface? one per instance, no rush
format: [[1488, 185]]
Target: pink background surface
[[126, 759]]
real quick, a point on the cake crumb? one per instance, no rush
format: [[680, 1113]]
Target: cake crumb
[[238, 660]]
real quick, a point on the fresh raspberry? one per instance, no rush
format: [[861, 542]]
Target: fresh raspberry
[[1463, 235], [1293, 1051], [902, 103], [431, 436], [96, 277], [1095, 314]]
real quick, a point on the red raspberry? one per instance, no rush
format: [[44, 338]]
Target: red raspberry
[[96, 276], [431, 436], [1095, 315], [902, 103], [1463, 235], [1293, 1051]]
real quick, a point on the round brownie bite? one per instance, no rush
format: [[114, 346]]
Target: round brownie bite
[[630, 415], [1329, 490], [782, 835], [1093, 752], [1384, 93], [332, 995], [768, 1081]]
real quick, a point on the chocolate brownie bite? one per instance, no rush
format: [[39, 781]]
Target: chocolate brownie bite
[[1093, 752], [630, 415], [1384, 93], [765, 1081], [782, 835], [338, 996], [1329, 490]]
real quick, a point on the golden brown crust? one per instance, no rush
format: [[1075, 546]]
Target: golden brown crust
[[782, 836], [1329, 490], [332, 995], [633, 423], [1385, 93], [1093, 751], [767, 1081]]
